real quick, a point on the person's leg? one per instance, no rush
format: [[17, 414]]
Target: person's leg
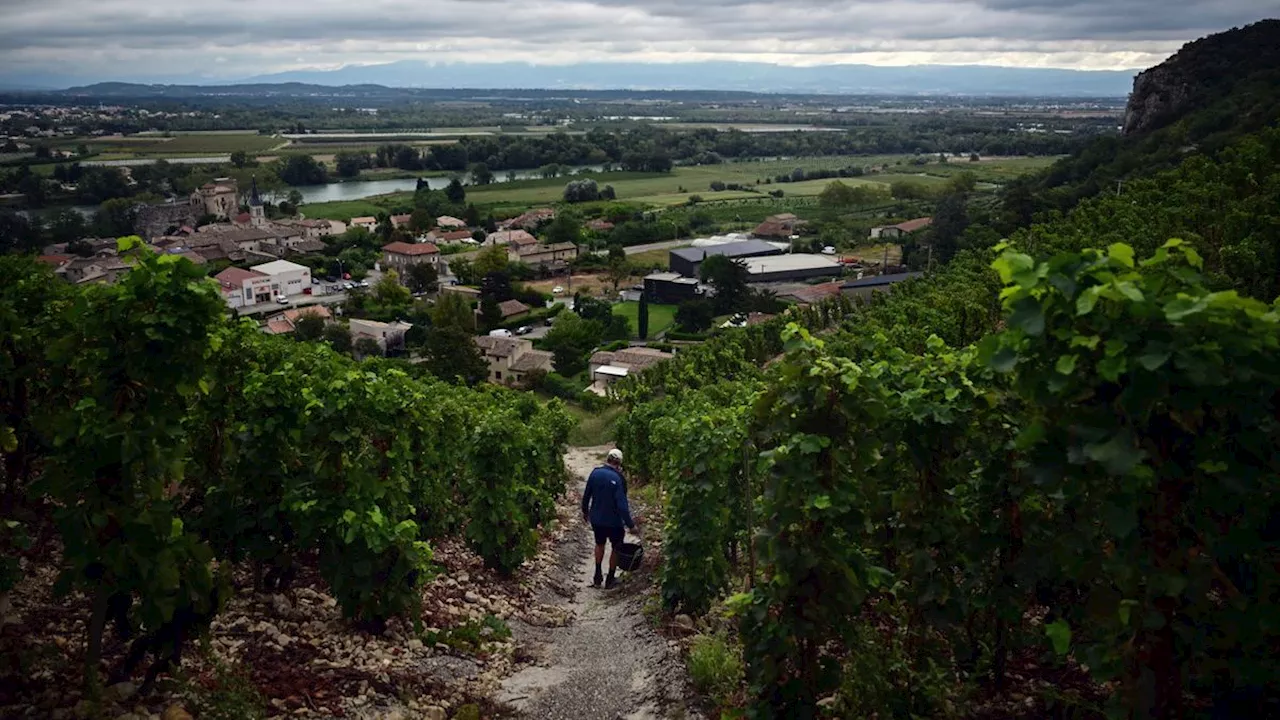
[[601, 535], [615, 539]]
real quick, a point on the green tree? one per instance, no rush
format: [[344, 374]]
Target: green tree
[[695, 315], [349, 164], [571, 341], [339, 337], [453, 310], [366, 347], [239, 158], [309, 327], [963, 183], [490, 313], [642, 317], [302, 170], [492, 259], [455, 191], [420, 221], [421, 277], [115, 218], [729, 278], [565, 228], [451, 354], [480, 174]]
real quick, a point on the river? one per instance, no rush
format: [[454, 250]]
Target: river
[[358, 189]]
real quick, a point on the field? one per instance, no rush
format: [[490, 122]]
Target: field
[[671, 190], [179, 145], [651, 258], [661, 317]]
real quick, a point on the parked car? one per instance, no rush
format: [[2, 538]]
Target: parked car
[[364, 283], [524, 330], [829, 250], [557, 290], [348, 286], [282, 299], [500, 332]]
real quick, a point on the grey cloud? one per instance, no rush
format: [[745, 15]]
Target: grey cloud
[[187, 34]]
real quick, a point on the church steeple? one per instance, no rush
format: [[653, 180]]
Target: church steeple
[[257, 214]]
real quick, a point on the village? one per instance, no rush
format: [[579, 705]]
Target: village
[[274, 269]]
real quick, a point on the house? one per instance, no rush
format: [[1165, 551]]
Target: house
[[511, 359], [559, 254], [55, 260], [606, 368], [448, 222], [670, 288], [814, 293], [529, 220], [102, 269], [400, 255], [400, 221], [387, 335], [686, 261], [287, 278], [303, 247], [901, 229], [309, 229], [439, 235], [510, 238], [599, 225], [467, 292], [778, 227], [287, 321], [241, 288], [366, 222], [220, 198], [867, 286], [512, 308]]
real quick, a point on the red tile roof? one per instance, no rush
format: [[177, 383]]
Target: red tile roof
[[235, 277], [914, 225], [451, 235], [814, 293], [412, 249], [512, 307], [54, 260]]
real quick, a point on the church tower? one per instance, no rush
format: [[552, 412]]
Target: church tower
[[257, 218]]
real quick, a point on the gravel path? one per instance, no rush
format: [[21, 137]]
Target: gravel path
[[607, 663]]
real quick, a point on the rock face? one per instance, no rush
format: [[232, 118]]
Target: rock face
[[1202, 72]]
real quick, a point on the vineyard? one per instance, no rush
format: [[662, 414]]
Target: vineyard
[[169, 449], [1029, 485]]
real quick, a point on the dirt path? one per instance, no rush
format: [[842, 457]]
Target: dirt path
[[606, 663]]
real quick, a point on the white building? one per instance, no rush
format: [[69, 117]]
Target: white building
[[241, 287], [287, 278]]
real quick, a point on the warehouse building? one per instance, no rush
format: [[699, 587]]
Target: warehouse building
[[799, 266], [670, 288], [864, 287], [685, 261]]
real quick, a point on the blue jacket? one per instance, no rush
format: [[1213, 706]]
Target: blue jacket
[[605, 499]]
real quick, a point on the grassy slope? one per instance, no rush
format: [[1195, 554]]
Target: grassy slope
[[661, 317]]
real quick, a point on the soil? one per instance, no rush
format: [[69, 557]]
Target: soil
[[607, 663]]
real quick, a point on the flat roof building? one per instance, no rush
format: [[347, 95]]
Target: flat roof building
[[876, 283], [670, 288], [686, 261], [800, 266]]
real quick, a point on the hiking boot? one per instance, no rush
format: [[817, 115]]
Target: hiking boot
[[610, 583], [595, 581]]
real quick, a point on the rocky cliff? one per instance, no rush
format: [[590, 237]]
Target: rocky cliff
[[1202, 73]]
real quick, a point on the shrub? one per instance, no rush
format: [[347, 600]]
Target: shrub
[[715, 666]]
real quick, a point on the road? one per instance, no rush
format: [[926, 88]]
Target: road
[[294, 302], [637, 249]]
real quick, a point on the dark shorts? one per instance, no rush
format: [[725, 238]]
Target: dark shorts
[[613, 534]]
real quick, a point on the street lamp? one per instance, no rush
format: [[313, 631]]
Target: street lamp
[[792, 248]]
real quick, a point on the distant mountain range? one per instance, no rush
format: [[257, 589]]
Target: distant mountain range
[[703, 76]]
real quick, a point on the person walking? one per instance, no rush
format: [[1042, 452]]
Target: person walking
[[605, 507]]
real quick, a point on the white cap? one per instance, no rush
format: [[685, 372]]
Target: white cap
[[615, 455]]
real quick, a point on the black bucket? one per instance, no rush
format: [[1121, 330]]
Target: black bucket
[[629, 556]]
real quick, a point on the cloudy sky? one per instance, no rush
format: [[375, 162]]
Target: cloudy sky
[[241, 38]]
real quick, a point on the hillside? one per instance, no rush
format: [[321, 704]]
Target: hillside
[[1201, 99]]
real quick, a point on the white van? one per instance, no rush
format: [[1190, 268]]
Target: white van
[[500, 333]]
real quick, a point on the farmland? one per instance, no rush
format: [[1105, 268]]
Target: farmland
[[665, 190], [180, 144]]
